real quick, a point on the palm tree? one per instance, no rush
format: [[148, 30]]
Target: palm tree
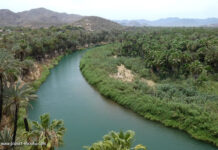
[[9, 68], [49, 133], [19, 95], [21, 50], [5, 137], [27, 65], [116, 141]]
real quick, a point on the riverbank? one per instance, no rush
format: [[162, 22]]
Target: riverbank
[[36, 79], [99, 66], [45, 70], [40, 73]]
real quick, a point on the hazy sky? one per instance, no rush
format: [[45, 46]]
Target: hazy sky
[[122, 9]]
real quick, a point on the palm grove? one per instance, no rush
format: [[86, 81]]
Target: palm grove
[[174, 76], [183, 61], [20, 49]]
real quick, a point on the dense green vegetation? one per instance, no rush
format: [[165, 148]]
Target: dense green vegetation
[[116, 141], [20, 50], [182, 64], [175, 52], [48, 134], [43, 43], [176, 99]]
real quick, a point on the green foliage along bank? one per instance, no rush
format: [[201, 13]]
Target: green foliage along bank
[[26, 56], [175, 103], [116, 141], [174, 52], [45, 71]]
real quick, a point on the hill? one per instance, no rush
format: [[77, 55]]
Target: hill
[[131, 23], [42, 17], [93, 23], [8, 18], [170, 22], [39, 17]]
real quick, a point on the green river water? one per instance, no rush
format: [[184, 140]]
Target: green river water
[[88, 116]]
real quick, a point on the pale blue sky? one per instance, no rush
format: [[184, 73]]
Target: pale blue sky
[[122, 9]]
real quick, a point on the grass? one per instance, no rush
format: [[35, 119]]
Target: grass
[[175, 103]]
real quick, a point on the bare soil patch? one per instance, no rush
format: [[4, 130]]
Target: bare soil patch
[[123, 74], [126, 75]]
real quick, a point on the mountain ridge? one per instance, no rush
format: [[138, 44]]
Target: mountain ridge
[[170, 22], [39, 17], [42, 17], [93, 23]]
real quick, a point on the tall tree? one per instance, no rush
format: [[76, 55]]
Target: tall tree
[[45, 131], [5, 137], [9, 68], [19, 95]]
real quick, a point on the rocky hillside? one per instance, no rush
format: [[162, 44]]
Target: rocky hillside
[[42, 17], [39, 17], [8, 18], [93, 23]]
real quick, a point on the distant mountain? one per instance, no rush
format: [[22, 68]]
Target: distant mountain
[[39, 17], [93, 23], [8, 18], [171, 22], [42, 17], [214, 25], [131, 23]]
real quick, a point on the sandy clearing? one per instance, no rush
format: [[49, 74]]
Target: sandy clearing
[[126, 75], [123, 74]]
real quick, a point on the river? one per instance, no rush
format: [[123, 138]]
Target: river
[[88, 116]]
